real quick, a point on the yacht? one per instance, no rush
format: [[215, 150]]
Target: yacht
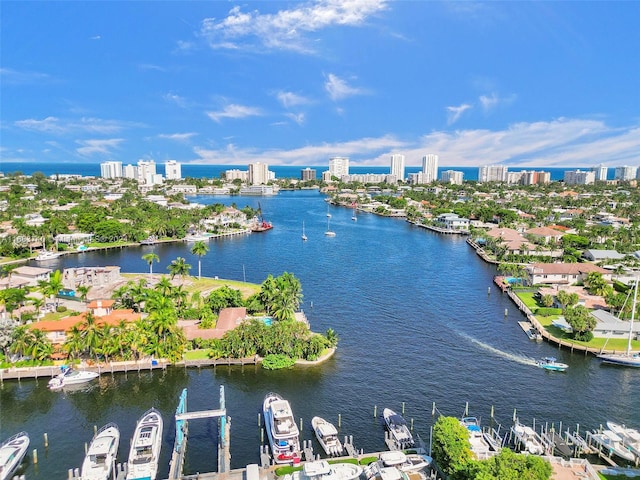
[[282, 430], [630, 436], [612, 444], [323, 470], [69, 376], [398, 428], [12, 451], [145, 447], [411, 462], [528, 439], [47, 255], [101, 455], [327, 436]]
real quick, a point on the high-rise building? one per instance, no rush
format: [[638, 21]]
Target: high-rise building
[[172, 170], [579, 177], [625, 173], [111, 169], [601, 173], [307, 174], [147, 172], [397, 166], [130, 171], [493, 173], [430, 168], [453, 177], [258, 173], [339, 166]]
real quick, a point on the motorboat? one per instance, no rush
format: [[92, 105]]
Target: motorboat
[[550, 363], [101, 454], [398, 428], [197, 237], [377, 471], [304, 235], [612, 444], [480, 447], [70, 376], [282, 431], [327, 436], [630, 436], [323, 470], [412, 462], [144, 453], [12, 451], [528, 439], [47, 255]]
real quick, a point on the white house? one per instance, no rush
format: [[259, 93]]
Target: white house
[[562, 273], [451, 221]]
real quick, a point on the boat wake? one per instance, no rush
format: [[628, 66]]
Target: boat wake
[[510, 356]]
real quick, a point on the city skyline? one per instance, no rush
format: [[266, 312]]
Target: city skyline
[[526, 85]]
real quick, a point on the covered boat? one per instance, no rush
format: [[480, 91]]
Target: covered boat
[[145, 447], [12, 451], [327, 436]]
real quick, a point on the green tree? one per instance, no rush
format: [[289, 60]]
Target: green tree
[[451, 447], [179, 267], [581, 321], [150, 258], [547, 300], [200, 249]]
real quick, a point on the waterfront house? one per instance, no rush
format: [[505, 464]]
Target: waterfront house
[[562, 273], [601, 255], [228, 319], [451, 221], [72, 278], [25, 277]]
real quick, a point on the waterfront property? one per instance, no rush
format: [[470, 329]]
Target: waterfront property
[[562, 273]]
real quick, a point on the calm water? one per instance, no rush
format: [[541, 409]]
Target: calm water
[[416, 326]]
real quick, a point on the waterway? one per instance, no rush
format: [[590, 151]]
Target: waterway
[[416, 326]]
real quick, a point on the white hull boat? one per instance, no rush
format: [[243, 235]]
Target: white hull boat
[[480, 448], [550, 363], [527, 437], [630, 436], [282, 431], [398, 428], [46, 256], [12, 451], [70, 376], [101, 455], [322, 470], [327, 436], [612, 444], [145, 447], [413, 462]]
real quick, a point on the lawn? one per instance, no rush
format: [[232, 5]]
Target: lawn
[[618, 344], [528, 299], [204, 285], [200, 354]]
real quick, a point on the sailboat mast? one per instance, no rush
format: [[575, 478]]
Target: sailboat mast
[[633, 313]]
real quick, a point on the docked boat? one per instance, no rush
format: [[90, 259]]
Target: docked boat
[[612, 444], [323, 470], [480, 447], [145, 447], [377, 471], [282, 431], [528, 439], [12, 451], [197, 237], [628, 358], [150, 240], [412, 462], [398, 428], [630, 436], [327, 436], [550, 363], [47, 255], [101, 454], [70, 376]]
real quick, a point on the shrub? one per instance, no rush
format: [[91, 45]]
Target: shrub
[[277, 362], [583, 336], [61, 308]]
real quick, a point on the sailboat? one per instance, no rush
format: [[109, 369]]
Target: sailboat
[[626, 359], [354, 217], [304, 236], [329, 232]]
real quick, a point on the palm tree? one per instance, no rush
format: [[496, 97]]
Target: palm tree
[[150, 258], [7, 271], [22, 340], [52, 287], [180, 267], [200, 249], [164, 286], [83, 290]]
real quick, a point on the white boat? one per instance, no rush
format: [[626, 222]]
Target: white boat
[[612, 444], [69, 376], [377, 471], [47, 255], [197, 237], [282, 430], [323, 470], [550, 363], [412, 462], [528, 439], [145, 447], [304, 236], [12, 451], [630, 436], [327, 436], [329, 232], [398, 428], [480, 447], [101, 455], [628, 358]]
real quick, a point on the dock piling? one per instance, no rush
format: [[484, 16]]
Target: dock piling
[[375, 411], [35, 456], [339, 420], [402, 408], [46, 440]]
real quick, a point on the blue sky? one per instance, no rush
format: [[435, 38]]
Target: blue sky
[[539, 84]]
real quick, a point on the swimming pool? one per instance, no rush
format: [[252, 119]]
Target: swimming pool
[[267, 321]]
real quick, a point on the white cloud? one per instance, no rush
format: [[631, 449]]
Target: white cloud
[[234, 111], [489, 102], [177, 99], [454, 113], [9, 76], [285, 29], [338, 88], [96, 37], [54, 125], [296, 117], [290, 99], [90, 147], [178, 137]]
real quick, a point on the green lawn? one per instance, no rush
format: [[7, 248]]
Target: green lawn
[[528, 300], [204, 285], [200, 354], [611, 344]]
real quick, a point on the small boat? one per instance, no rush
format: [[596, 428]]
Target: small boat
[[528, 439], [197, 237], [12, 451], [377, 471], [304, 236], [630, 436], [327, 436], [145, 447], [282, 430], [398, 428], [101, 455], [47, 255], [329, 232], [612, 444], [354, 217], [480, 448], [550, 363], [323, 470], [412, 462], [260, 224], [150, 240], [69, 376]]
